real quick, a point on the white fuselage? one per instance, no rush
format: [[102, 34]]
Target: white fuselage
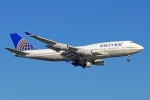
[[106, 49]]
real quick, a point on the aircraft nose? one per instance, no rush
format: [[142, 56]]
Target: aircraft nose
[[141, 47]]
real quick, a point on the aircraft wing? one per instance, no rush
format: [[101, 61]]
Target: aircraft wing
[[44, 40], [53, 44]]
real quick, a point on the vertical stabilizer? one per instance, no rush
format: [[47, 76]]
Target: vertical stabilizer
[[20, 43]]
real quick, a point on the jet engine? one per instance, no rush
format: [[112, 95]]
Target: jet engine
[[98, 62], [86, 53], [60, 46]]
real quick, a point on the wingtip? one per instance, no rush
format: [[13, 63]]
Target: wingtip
[[5, 47], [27, 33]]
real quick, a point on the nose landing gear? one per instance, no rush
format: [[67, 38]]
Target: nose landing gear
[[128, 59]]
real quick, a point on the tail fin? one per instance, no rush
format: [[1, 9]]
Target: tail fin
[[20, 43]]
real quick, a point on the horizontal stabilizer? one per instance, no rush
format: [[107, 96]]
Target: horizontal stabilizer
[[16, 51]]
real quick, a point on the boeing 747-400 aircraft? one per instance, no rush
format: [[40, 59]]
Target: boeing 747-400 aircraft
[[83, 56]]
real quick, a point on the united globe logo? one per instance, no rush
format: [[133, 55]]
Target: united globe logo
[[24, 45]]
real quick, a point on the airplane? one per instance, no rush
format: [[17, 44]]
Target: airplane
[[83, 56]]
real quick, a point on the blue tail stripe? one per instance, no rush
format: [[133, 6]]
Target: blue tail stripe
[[15, 38]]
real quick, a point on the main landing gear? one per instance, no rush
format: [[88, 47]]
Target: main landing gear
[[128, 59], [78, 63]]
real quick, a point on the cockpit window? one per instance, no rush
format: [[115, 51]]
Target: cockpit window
[[131, 42]]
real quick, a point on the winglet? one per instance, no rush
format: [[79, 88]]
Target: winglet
[[28, 33]]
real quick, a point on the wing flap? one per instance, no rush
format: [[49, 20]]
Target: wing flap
[[16, 51]]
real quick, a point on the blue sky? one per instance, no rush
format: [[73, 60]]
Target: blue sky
[[76, 22]]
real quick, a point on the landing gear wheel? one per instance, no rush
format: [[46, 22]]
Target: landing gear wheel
[[83, 66], [128, 58]]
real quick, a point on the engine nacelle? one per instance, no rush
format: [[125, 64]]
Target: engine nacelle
[[86, 53], [61, 46], [98, 62]]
